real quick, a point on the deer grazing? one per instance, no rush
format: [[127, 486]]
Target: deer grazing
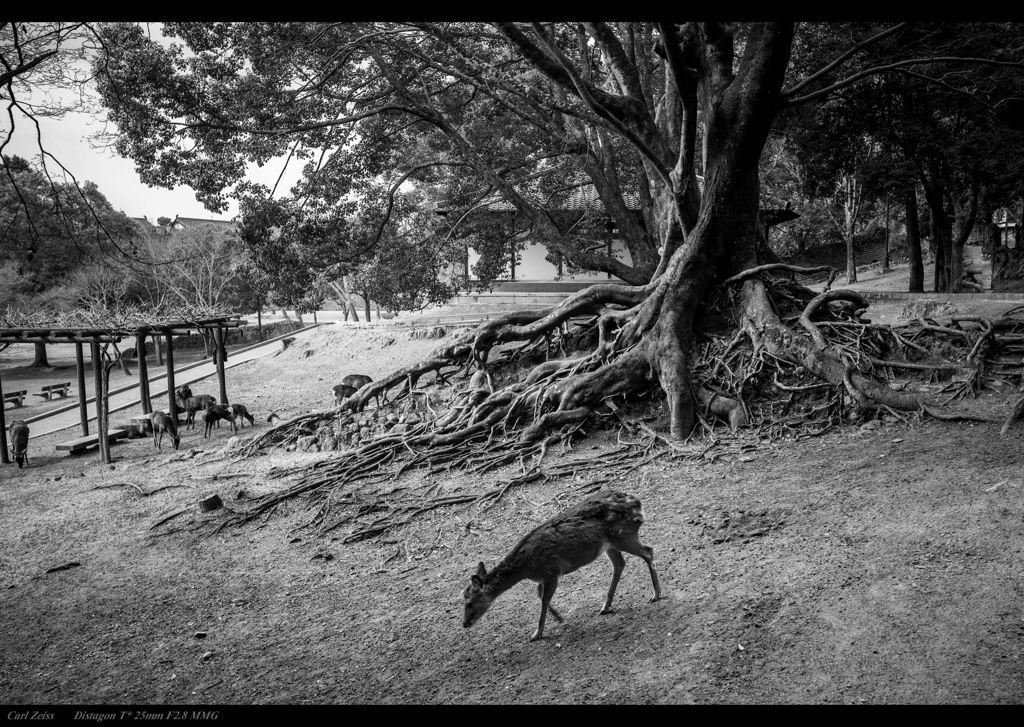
[[240, 412], [163, 422], [19, 442], [608, 522], [213, 414], [350, 385], [191, 404]]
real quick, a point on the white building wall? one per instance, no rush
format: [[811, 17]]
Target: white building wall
[[532, 267]]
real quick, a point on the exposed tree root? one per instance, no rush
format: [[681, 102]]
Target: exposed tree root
[[771, 358]]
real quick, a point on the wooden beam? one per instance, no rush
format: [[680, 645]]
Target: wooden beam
[[83, 409], [62, 339]]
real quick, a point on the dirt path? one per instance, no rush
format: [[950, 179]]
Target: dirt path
[[877, 567]]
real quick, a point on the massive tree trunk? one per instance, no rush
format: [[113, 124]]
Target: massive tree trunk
[[966, 214]]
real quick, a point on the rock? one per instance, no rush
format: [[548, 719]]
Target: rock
[[200, 634], [208, 504], [330, 443], [400, 429], [236, 442], [207, 656], [307, 443]]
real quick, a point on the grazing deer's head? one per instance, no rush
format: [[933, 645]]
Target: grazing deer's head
[[476, 599]]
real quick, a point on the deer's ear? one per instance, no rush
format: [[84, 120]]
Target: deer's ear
[[480, 570]]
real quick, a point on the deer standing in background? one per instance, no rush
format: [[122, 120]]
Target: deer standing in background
[[19, 442], [163, 422]]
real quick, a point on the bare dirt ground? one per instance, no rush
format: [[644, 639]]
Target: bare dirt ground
[[880, 566]]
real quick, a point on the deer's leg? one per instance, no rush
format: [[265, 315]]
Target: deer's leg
[[551, 606], [547, 590], [618, 563], [633, 546]]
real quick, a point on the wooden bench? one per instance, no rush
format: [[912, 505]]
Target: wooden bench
[[52, 390], [82, 443], [18, 397]]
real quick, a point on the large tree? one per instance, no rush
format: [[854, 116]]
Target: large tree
[[620, 106]]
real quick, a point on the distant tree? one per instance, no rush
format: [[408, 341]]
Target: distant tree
[[50, 232], [197, 265], [946, 130]]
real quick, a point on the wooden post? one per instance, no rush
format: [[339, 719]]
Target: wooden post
[[140, 354], [4, 456], [221, 354], [259, 322], [159, 350], [83, 409], [172, 407], [97, 373], [101, 429], [103, 413]]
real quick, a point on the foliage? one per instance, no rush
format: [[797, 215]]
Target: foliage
[[369, 105], [53, 234]]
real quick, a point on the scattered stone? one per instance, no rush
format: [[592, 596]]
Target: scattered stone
[[199, 634], [307, 443], [208, 504]]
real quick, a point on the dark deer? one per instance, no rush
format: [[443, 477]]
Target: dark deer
[[164, 423], [190, 405], [608, 522], [350, 385], [213, 414], [19, 442]]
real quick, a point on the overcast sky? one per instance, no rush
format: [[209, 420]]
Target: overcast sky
[[66, 139]]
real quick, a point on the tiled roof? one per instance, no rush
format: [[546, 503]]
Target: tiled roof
[[195, 221]]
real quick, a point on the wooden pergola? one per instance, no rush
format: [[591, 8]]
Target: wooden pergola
[[97, 336]]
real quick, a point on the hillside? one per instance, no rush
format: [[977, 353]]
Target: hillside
[[874, 565]]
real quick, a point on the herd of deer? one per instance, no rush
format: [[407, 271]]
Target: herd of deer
[[607, 522]]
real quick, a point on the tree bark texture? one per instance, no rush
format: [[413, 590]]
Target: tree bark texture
[[914, 243]]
